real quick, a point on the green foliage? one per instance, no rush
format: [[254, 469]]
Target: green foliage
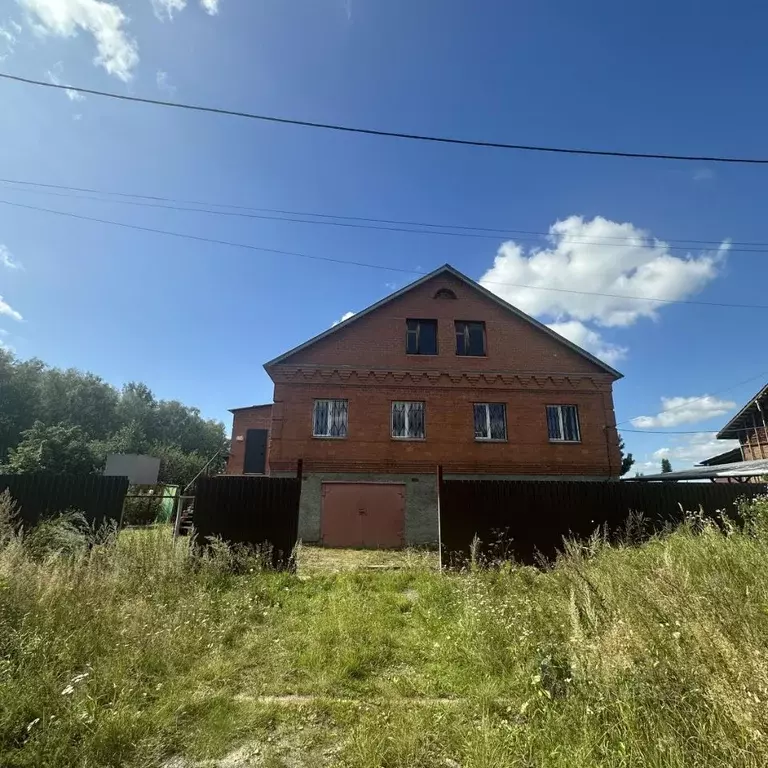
[[67, 420], [136, 651], [666, 465], [65, 534], [9, 517], [627, 460], [55, 448]]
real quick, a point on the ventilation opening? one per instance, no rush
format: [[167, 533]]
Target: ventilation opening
[[445, 293]]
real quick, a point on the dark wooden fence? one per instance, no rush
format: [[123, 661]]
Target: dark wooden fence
[[528, 519], [39, 496], [256, 511]]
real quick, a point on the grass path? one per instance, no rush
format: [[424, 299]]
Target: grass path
[[135, 653]]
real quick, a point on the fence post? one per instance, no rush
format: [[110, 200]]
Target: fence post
[[439, 530], [300, 469]]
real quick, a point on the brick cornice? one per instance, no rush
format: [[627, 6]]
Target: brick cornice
[[367, 377]]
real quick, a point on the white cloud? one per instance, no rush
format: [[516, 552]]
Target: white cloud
[[344, 317], [54, 75], [598, 256], [164, 82], [7, 309], [164, 9], [8, 36], [211, 7], [592, 341], [118, 53], [4, 344], [7, 260], [685, 410], [691, 449]]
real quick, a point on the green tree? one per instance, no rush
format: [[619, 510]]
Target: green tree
[[627, 460], [666, 465], [56, 448]]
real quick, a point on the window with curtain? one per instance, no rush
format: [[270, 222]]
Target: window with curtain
[[408, 420], [490, 421], [470, 338], [563, 423], [421, 337], [329, 418]]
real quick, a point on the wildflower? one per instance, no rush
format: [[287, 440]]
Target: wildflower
[[31, 725]]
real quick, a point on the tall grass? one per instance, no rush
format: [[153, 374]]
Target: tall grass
[[133, 651]]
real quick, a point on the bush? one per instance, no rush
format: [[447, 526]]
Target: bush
[[65, 534]]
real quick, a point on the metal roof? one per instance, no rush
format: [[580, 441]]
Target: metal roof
[[735, 426], [448, 269], [756, 468], [250, 407], [727, 457]]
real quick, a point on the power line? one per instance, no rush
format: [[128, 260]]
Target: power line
[[689, 432], [315, 257], [349, 221], [389, 134], [761, 375]]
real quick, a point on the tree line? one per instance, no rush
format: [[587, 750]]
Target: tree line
[[69, 421]]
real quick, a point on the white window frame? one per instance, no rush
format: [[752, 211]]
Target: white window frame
[[329, 419], [490, 439], [406, 414], [561, 423]]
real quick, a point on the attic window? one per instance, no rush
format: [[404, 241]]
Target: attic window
[[445, 293]]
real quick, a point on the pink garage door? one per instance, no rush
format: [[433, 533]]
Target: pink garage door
[[363, 515]]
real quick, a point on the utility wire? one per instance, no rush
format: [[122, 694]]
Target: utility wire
[[689, 432], [761, 375], [146, 201], [496, 231], [315, 257], [389, 134]]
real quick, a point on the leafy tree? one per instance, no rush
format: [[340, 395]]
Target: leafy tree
[[666, 465], [626, 460], [38, 404], [55, 448]]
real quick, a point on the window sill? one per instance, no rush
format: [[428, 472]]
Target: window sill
[[408, 439], [565, 442], [422, 354], [483, 355], [491, 440], [329, 437]]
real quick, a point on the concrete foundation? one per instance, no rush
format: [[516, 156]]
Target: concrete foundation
[[421, 528]]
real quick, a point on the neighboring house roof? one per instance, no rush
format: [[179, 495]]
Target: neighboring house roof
[[250, 407], [756, 468], [736, 425], [448, 269], [728, 457]]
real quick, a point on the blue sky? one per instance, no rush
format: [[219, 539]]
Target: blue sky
[[196, 321]]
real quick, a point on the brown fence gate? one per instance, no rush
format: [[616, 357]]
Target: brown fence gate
[[256, 511]]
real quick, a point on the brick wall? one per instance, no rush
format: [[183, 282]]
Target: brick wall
[[366, 363], [378, 340], [449, 432], [256, 417]]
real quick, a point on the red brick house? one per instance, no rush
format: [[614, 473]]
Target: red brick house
[[440, 372]]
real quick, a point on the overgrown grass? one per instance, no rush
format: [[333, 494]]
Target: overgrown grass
[[134, 652]]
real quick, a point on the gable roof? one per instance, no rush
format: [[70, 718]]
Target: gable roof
[[449, 270], [736, 425]]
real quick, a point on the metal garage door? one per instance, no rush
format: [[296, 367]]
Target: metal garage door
[[363, 515]]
